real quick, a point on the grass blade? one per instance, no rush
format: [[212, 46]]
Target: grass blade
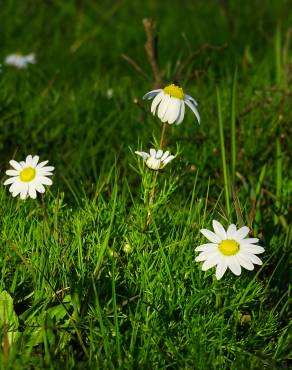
[[225, 174], [233, 126]]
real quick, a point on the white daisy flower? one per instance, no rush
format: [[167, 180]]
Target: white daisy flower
[[20, 61], [229, 249], [156, 160], [169, 104], [28, 177]]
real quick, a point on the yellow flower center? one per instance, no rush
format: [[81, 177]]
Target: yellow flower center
[[27, 174], [228, 247], [174, 91]]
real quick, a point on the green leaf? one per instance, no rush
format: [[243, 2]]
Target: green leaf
[[8, 316]]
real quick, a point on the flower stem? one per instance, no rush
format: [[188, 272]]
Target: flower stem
[[218, 295], [154, 182], [151, 200], [161, 143], [218, 300]]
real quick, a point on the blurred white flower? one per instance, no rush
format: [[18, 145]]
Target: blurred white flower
[[109, 93], [228, 249], [156, 160], [28, 177], [20, 61], [169, 104]]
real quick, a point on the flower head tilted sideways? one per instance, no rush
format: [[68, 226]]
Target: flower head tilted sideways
[[28, 177], [156, 160], [20, 61], [169, 104], [228, 249]]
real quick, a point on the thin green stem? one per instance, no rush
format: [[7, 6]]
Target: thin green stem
[[154, 182], [150, 200], [233, 126], [278, 176], [225, 174], [218, 295], [161, 143]]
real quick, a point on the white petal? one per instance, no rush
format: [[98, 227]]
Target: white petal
[[211, 236], [151, 94], [29, 58], [42, 164], [152, 152], [205, 255], [233, 265], [219, 230], [254, 259], [15, 165], [156, 101], [44, 173], [159, 153], [16, 185], [12, 173], [45, 169], [32, 191], [16, 189], [163, 106], [207, 247], [188, 97], [250, 240], [44, 180], [230, 231], [15, 192], [24, 191], [251, 248], [165, 155], [244, 262], [181, 113], [39, 187], [167, 160], [28, 160], [194, 110], [210, 262], [221, 269], [241, 233], [142, 154], [173, 110], [34, 161], [11, 180]]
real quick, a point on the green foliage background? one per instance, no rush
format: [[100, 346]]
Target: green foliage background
[[80, 300]]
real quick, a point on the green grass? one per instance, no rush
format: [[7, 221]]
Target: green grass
[[80, 300]]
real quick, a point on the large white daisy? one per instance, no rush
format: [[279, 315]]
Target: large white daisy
[[20, 61], [156, 160], [28, 177], [169, 104], [228, 249]]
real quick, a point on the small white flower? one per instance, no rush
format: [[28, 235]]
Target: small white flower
[[156, 160], [169, 104], [109, 93], [20, 61], [28, 177], [228, 249]]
